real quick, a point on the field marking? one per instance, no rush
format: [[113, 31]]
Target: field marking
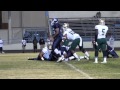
[[78, 70]]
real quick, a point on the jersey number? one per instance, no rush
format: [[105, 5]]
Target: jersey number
[[71, 32], [103, 32]]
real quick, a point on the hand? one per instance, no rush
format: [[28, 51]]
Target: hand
[[96, 44], [42, 59], [51, 38], [99, 50], [62, 40]]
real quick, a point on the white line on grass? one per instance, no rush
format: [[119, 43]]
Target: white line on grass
[[78, 70]]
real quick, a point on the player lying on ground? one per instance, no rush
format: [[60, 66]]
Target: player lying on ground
[[45, 54]]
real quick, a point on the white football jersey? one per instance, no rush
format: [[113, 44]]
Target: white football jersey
[[46, 52], [76, 36], [70, 30], [70, 36], [102, 31]]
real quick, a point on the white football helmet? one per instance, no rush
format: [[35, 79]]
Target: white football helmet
[[65, 26], [101, 22]]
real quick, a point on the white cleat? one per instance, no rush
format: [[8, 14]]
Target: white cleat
[[28, 58], [78, 59], [95, 62], [71, 58], [60, 59], [86, 57], [66, 60], [103, 62]]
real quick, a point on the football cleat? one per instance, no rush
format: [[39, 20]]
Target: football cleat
[[60, 59], [86, 57], [104, 62], [95, 62]]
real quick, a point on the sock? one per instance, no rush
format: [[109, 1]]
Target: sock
[[105, 59], [76, 56], [81, 57], [56, 51], [87, 54], [71, 58], [59, 52], [62, 57], [96, 59]]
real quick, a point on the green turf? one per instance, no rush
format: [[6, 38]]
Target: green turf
[[16, 66]]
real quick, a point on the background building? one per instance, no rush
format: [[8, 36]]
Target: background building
[[13, 24]]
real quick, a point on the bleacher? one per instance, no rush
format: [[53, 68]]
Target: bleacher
[[83, 26]]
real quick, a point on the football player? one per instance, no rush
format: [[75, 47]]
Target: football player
[[76, 41], [100, 40], [45, 54], [57, 36]]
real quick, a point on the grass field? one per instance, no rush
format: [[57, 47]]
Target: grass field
[[16, 66]]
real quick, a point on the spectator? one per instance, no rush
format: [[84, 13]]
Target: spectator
[[42, 43], [98, 15], [35, 44], [23, 45], [1, 46]]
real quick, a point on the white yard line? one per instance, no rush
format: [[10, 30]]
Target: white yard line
[[78, 70]]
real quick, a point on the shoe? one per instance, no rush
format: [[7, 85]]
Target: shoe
[[103, 62], [59, 59], [66, 60], [78, 59], [95, 62], [86, 57], [28, 58], [71, 58]]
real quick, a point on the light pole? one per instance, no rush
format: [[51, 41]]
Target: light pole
[[9, 27], [21, 22], [47, 16]]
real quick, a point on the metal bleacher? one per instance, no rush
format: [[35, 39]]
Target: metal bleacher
[[85, 26]]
